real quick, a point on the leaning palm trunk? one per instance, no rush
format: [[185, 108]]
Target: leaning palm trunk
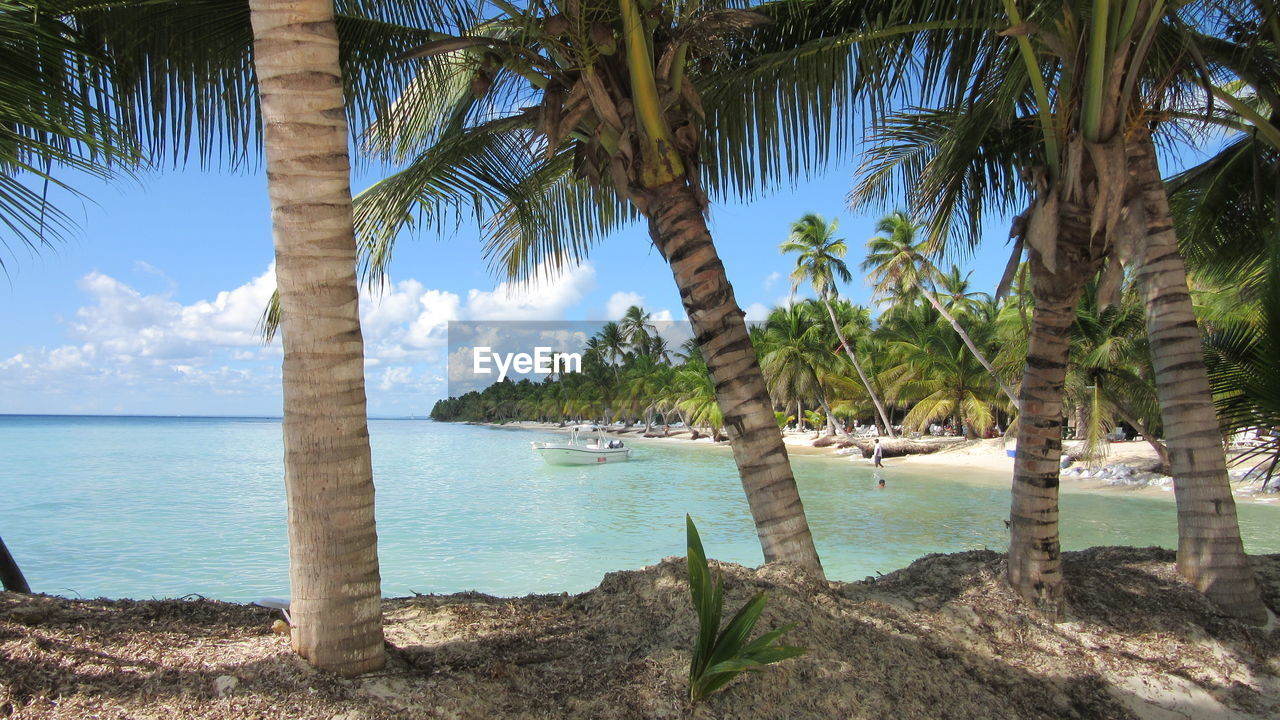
[[833, 428], [1162, 452], [679, 230], [1210, 553], [968, 341], [853, 358], [11, 577], [1035, 562], [333, 560]]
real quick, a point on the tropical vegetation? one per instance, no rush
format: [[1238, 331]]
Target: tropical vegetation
[[557, 122], [721, 654]]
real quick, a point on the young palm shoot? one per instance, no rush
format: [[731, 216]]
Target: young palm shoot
[[721, 655]]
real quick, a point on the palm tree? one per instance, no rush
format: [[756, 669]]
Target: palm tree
[[613, 344], [821, 262], [1243, 372], [1111, 373], [795, 360], [895, 259], [11, 577], [1059, 108], [928, 369], [56, 106], [568, 119], [333, 546], [638, 328]]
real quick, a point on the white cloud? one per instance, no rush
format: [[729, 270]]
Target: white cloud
[[122, 321], [772, 279], [394, 377], [756, 312], [138, 350], [406, 321], [546, 297], [619, 302]]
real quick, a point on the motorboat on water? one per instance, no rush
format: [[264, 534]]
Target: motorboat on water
[[583, 451]]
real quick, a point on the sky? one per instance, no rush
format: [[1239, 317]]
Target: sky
[[152, 307]]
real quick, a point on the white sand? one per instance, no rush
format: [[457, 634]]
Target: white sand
[[985, 461]]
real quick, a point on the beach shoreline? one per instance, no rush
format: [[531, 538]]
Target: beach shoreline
[[980, 461]]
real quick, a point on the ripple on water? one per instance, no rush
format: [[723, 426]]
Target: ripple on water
[[162, 507]]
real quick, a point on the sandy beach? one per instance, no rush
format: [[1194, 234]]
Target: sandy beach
[[945, 637], [982, 461]]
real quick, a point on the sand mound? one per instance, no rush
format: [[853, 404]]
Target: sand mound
[[943, 638]]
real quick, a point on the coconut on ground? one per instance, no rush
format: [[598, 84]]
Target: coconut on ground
[[941, 638]]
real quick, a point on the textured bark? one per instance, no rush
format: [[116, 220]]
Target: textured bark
[[1210, 553], [1035, 563], [333, 560], [1162, 452], [853, 358], [11, 577], [679, 231]]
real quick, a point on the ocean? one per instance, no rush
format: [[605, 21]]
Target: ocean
[[152, 507]]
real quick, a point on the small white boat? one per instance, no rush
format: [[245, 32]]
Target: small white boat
[[583, 452]]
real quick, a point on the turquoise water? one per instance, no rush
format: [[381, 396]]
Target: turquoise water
[[162, 507]]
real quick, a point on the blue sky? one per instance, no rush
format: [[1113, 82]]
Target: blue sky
[[151, 308]]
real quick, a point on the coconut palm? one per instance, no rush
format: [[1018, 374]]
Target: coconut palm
[[1059, 108], [929, 368], [896, 259], [1111, 373], [581, 116], [613, 344], [820, 261], [1242, 369], [56, 112], [336, 590], [796, 360], [638, 329], [175, 80]]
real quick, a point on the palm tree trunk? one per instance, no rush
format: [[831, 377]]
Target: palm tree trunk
[[679, 230], [1166, 468], [1035, 562], [853, 358], [968, 341], [11, 577], [333, 554], [831, 419], [1210, 552]]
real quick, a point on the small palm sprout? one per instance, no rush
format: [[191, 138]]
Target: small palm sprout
[[721, 655]]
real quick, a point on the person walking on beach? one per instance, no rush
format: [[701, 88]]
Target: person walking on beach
[[877, 453]]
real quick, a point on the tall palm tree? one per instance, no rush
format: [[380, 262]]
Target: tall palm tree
[[638, 328], [795, 360], [928, 370], [821, 263], [569, 118], [1058, 107], [335, 583], [895, 258], [156, 80], [1111, 373]]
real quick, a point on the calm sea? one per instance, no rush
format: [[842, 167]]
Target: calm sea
[[146, 507]]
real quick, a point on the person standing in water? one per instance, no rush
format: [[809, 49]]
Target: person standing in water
[[877, 453]]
